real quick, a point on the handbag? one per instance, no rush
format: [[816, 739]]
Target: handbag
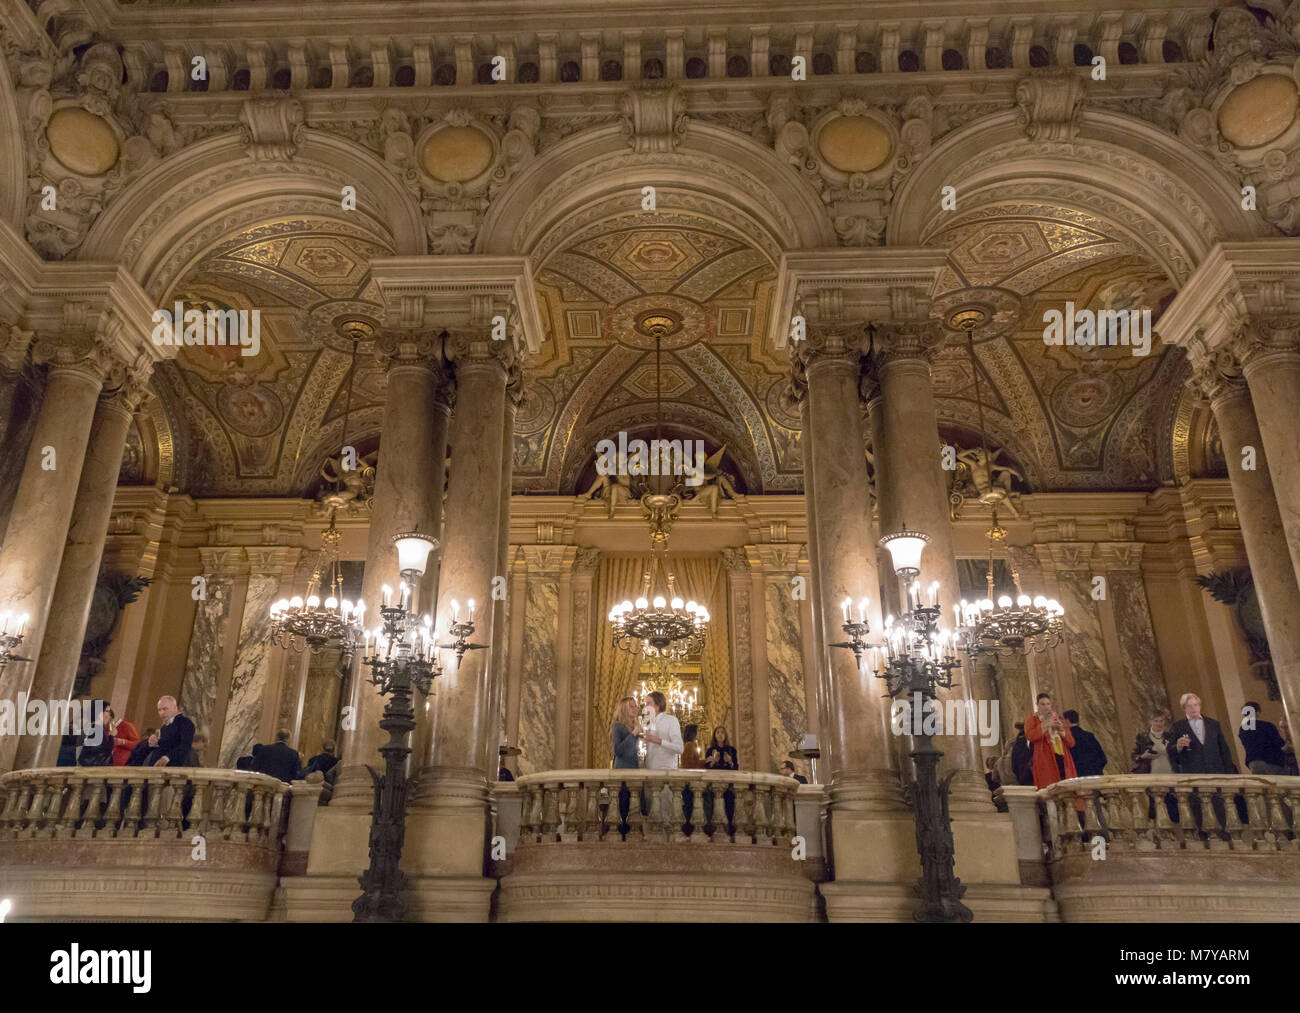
[[1142, 766]]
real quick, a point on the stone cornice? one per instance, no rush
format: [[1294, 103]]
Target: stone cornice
[[458, 293]]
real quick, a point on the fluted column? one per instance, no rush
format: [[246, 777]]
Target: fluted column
[[42, 510], [56, 669], [911, 495], [408, 497], [1262, 526]]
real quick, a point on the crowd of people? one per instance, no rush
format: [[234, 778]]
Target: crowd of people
[[1051, 747], [111, 741]]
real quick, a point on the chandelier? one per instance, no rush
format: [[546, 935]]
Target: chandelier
[[305, 620], [661, 627], [1001, 624], [12, 630], [683, 703]]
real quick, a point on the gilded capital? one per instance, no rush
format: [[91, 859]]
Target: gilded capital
[[900, 341]]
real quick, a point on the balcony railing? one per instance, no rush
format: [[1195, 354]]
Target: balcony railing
[[73, 842], [1142, 848], [593, 842]]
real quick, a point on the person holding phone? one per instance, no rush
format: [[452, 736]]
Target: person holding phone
[[1050, 738]]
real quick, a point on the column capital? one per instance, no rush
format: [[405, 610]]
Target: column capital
[[1216, 374], [546, 560], [585, 561], [14, 343], [779, 559], [736, 561], [1120, 557], [128, 387], [223, 561], [395, 349], [1069, 557], [894, 342]]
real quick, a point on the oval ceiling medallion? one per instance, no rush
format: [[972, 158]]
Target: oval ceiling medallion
[[82, 142], [456, 154], [854, 144], [1259, 110]]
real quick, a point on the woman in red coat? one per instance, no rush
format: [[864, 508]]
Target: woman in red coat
[[125, 738], [1050, 739]]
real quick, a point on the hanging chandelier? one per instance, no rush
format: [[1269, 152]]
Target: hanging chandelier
[[305, 621], [682, 703], [1002, 624], [659, 626]]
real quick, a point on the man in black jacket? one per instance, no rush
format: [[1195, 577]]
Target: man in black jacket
[[1089, 757], [1199, 745], [170, 745], [278, 759], [323, 760], [1261, 741]]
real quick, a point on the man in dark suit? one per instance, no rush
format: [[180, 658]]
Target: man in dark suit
[[1262, 742], [278, 759], [1089, 757], [323, 760], [1199, 745], [170, 746]]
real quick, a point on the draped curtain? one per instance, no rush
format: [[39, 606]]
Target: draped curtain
[[616, 672]]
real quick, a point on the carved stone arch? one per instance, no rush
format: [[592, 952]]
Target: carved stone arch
[[194, 197], [709, 162], [1151, 187], [13, 167], [156, 428]]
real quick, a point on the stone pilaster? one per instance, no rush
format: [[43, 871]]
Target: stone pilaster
[[214, 639], [783, 673], [582, 614], [740, 624], [56, 669], [539, 690]]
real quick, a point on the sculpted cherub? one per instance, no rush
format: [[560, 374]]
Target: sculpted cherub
[[611, 490], [716, 483], [353, 487], [991, 480]]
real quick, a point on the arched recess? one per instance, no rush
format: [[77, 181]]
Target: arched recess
[[1166, 196], [13, 171], [165, 220], [711, 165]]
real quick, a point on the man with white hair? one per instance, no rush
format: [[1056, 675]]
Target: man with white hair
[[1199, 745], [170, 746]]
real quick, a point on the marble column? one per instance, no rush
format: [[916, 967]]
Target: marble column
[[42, 509], [498, 659], [821, 661], [740, 624], [911, 495], [408, 497], [449, 820], [1262, 527], [1269, 352], [538, 689], [585, 563], [787, 718], [56, 670]]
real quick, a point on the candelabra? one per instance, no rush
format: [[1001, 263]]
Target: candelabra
[[404, 658], [917, 658], [12, 630]]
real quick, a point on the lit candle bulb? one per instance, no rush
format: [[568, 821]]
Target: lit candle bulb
[[331, 602], [455, 611], [471, 610], [845, 606], [388, 596], [312, 602], [934, 594]]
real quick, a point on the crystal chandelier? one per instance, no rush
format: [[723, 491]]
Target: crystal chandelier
[[683, 703], [305, 620], [12, 630], [1001, 624], [664, 627]]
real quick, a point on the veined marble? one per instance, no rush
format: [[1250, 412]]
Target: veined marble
[[537, 691], [787, 717], [1096, 704], [320, 705], [1143, 676], [203, 665], [248, 682]]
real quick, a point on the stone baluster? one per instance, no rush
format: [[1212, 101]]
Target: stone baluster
[[677, 812], [745, 821], [71, 815], [762, 813], [115, 814], [257, 816], [698, 816], [99, 786], [550, 819], [1288, 836], [1138, 825], [721, 830], [652, 829], [635, 821], [1187, 833], [1093, 825], [1233, 826], [592, 826], [169, 823], [199, 818]]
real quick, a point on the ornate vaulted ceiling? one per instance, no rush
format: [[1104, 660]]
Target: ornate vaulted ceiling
[[1072, 418]]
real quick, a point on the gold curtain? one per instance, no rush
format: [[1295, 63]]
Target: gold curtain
[[704, 579], [615, 672]]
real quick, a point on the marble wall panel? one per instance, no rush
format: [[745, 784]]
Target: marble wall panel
[[1095, 698], [1143, 677], [248, 682], [1010, 679], [537, 691], [787, 709], [207, 644], [321, 704]]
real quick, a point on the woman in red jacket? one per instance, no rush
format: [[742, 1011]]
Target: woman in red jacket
[[1050, 739], [125, 738]]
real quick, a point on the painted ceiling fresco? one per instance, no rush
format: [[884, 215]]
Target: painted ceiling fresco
[[1072, 418]]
